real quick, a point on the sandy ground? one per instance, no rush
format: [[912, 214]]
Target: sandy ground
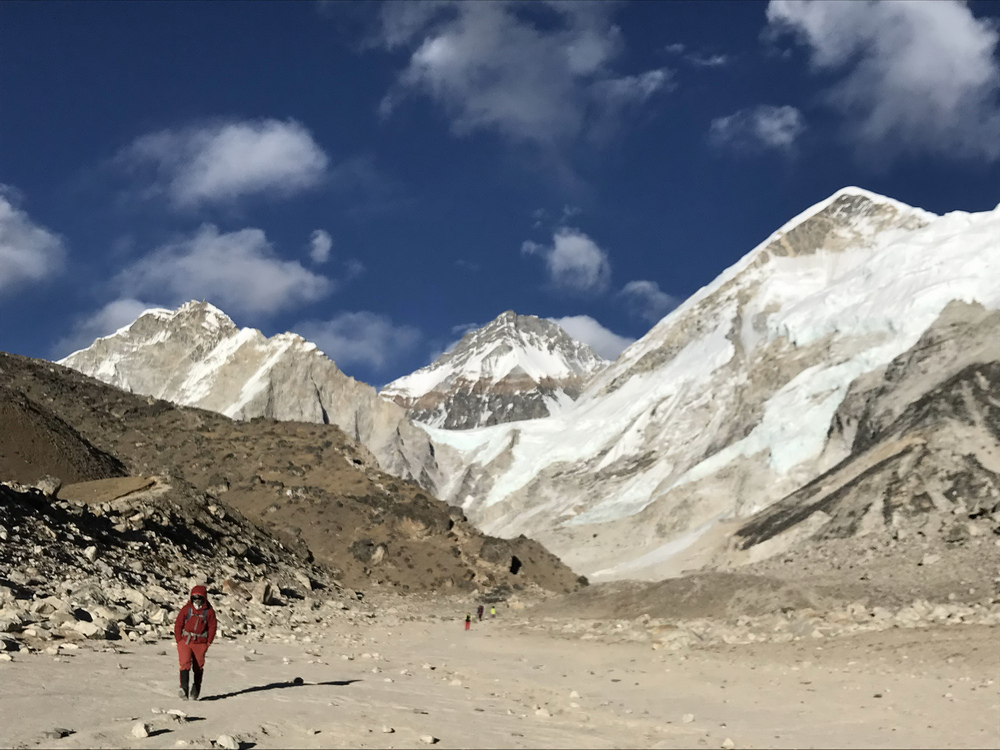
[[492, 686]]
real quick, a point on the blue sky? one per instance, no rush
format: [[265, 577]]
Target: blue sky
[[380, 177]]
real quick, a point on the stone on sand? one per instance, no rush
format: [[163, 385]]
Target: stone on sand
[[140, 730], [228, 742]]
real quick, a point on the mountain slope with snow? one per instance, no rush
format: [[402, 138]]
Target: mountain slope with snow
[[514, 368], [197, 356], [726, 405]]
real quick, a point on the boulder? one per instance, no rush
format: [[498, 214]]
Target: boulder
[[237, 589], [48, 485], [263, 592]]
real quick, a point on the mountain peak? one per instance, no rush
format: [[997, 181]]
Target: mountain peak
[[514, 367]]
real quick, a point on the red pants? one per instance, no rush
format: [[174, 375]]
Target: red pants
[[467, 623], [187, 651]]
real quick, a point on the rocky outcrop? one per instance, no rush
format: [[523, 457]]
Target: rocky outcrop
[[925, 447], [197, 356], [514, 368]]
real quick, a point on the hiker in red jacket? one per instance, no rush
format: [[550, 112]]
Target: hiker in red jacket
[[194, 631]]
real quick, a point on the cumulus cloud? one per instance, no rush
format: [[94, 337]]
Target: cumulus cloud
[[913, 76], [364, 338], [646, 300], [584, 328], [536, 73], [29, 252], [104, 322], [221, 162], [320, 243], [238, 271], [574, 262], [761, 128]]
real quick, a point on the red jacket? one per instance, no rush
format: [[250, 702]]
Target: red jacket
[[195, 625]]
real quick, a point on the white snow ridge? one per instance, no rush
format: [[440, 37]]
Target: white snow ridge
[[726, 405], [515, 367], [197, 356]]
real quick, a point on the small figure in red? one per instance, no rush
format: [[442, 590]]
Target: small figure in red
[[194, 631]]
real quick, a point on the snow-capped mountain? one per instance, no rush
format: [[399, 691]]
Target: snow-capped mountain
[[732, 401], [197, 356], [516, 367]]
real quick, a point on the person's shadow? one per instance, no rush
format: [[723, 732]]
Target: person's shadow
[[298, 682]]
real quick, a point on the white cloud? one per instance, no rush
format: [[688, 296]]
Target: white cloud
[[238, 271], [647, 300], [708, 61], [915, 76], [534, 72], [320, 243], [698, 59], [574, 262], [104, 322], [584, 328], [760, 128], [28, 252], [221, 162], [361, 338]]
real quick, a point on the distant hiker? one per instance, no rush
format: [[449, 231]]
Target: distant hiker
[[194, 631], [468, 620], [479, 612], [493, 613]]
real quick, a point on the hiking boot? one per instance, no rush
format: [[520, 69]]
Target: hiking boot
[[196, 688], [185, 678]]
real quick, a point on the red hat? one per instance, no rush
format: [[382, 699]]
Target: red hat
[[199, 591]]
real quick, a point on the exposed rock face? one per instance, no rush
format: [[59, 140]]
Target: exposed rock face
[[731, 402], [925, 453], [514, 368], [196, 356]]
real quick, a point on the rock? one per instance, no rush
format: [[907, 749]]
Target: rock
[[429, 739], [543, 712], [49, 485], [574, 694], [10, 623], [88, 629], [140, 730], [262, 593], [930, 559], [728, 744], [235, 588], [228, 742], [56, 733], [90, 553], [388, 730], [687, 718]]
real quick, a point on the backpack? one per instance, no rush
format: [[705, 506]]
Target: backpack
[[200, 626]]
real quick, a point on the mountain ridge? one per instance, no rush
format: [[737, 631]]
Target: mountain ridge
[[515, 367]]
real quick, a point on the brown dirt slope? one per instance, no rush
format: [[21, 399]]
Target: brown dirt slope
[[309, 484], [34, 442]]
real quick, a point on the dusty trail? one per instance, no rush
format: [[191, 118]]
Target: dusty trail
[[499, 686]]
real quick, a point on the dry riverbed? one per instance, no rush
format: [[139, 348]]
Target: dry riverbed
[[507, 684]]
